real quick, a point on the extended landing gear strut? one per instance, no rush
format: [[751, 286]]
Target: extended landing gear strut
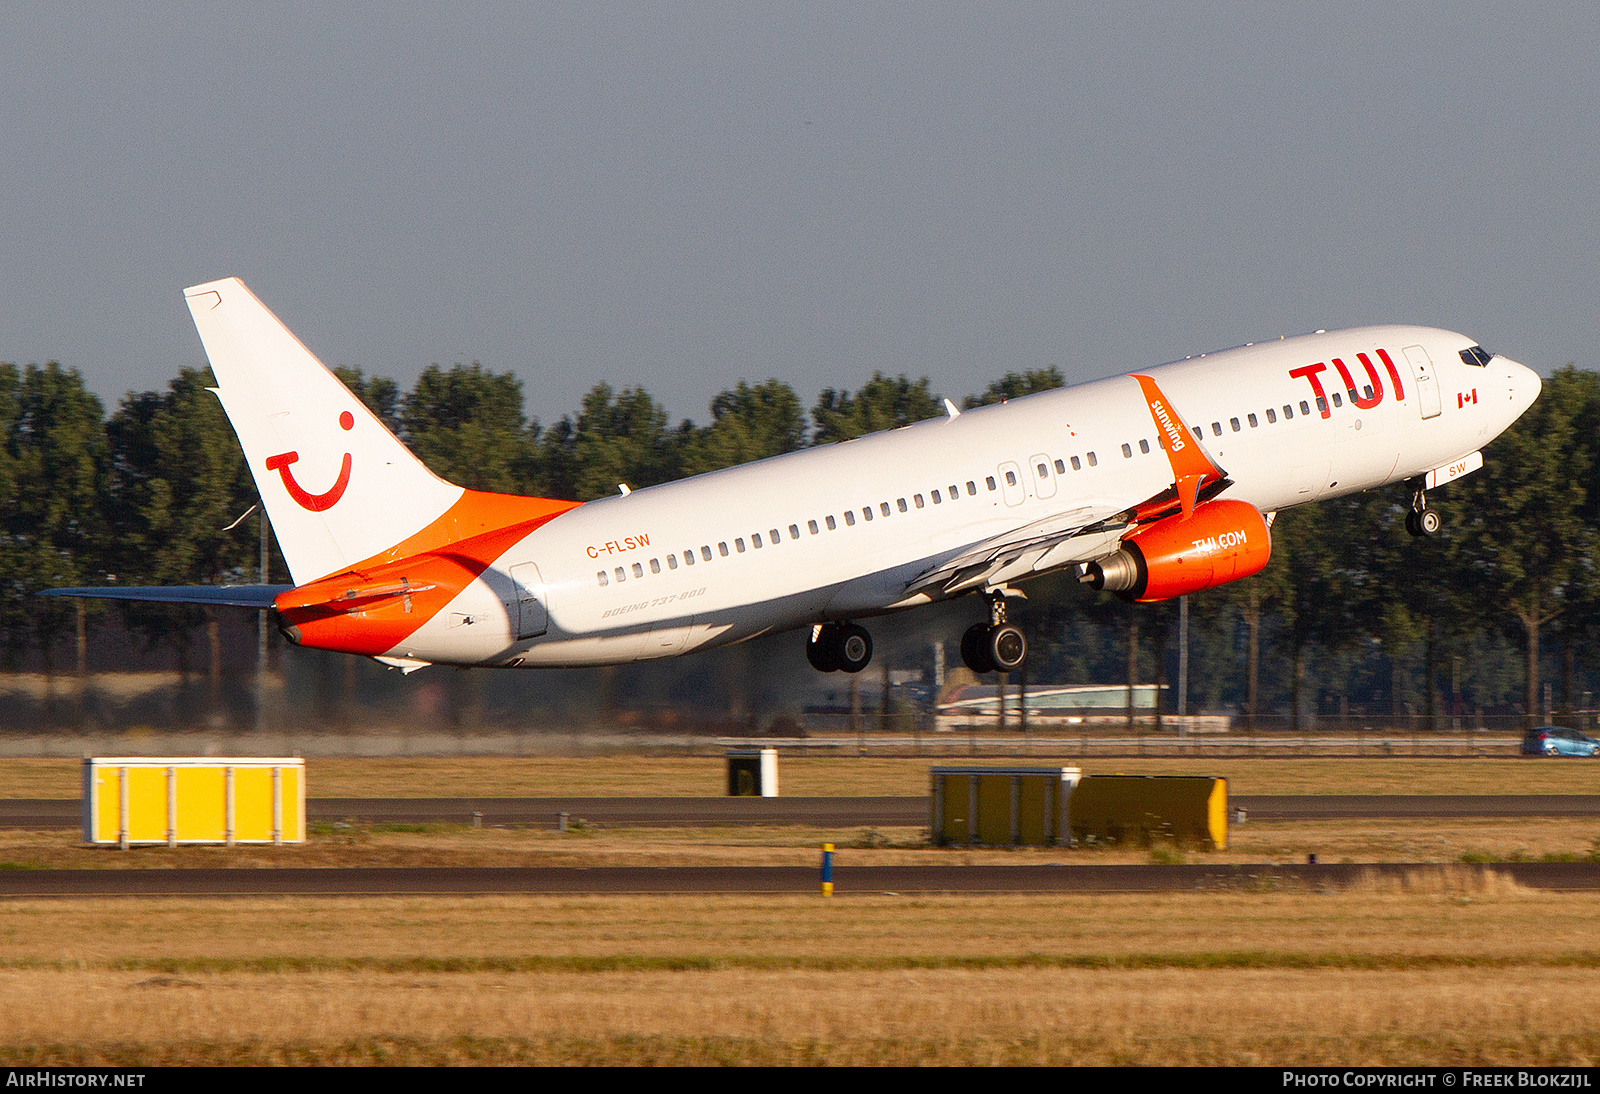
[[839, 647], [995, 646], [1422, 521]]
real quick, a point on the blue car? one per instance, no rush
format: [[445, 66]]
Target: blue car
[[1555, 741]]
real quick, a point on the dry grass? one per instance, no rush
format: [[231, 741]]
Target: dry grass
[[644, 775], [1495, 976], [1436, 841], [949, 1016]]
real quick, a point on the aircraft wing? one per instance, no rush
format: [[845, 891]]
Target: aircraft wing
[[220, 596], [1079, 534], [1092, 529]]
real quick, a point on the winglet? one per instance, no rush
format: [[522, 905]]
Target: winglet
[[1191, 467]]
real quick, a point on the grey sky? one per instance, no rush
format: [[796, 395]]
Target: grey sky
[[683, 196]]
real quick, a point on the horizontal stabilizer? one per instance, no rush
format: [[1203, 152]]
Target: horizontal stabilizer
[[217, 596]]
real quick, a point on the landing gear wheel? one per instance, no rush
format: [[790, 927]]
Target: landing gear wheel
[[852, 647], [820, 648], [1429, 522], [1411, 522], [1006, 647], [975, 649]]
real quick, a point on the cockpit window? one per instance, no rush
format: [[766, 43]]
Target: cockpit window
[[1476, 355]]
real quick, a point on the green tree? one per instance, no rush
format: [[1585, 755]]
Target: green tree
[[51, 479], [178, 480], [619, 437], [467, 425], [1014, 385], [1532, 549], [882, 403], [751, 422]]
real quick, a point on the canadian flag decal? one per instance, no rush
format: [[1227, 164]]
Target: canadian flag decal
[[1466, 398]]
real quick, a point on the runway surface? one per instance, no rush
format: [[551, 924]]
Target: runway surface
[[413, 881], [882, 812]]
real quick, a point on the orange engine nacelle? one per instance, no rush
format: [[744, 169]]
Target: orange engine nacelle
[[1220, 541]]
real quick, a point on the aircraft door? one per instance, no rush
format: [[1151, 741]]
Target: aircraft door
[[532, 617], [1044, 480], [1427, 381], [1011, 483]]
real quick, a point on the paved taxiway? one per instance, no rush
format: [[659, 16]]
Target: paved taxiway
[[414, 881]]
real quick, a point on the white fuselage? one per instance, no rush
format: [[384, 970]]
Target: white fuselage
[[787, 542]]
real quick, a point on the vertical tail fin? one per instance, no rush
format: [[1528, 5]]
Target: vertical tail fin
[[338, 486]]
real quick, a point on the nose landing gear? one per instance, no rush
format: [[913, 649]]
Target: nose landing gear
[[839, 647], [995, 646], [1422, 521]]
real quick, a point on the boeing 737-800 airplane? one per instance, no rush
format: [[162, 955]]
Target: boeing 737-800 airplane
[[1152, 484]]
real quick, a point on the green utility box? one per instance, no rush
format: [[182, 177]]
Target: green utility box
[[1139, 808], [1001, 806]]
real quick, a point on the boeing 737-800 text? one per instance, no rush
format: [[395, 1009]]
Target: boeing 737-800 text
[[1152, 485]]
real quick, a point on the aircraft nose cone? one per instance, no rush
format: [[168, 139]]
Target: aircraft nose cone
[[1524, 384]]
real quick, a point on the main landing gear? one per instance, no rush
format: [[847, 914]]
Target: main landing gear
[[839, 647], [1422, 521], [995, 646]]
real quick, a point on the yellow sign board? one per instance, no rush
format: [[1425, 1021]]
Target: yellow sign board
[[173, 800]]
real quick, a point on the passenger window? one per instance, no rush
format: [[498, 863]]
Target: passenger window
[[672, 562], [917, 498], [705, 552], [972, 488], [867, 512], [1092, 461], [638, 570], [811, 526], [1044, 470], [602, 579], [1234, 422], [655, 565], [1322, 406], [1288, 412], [1305, 407], [1253, 423], [688, 556], [794, 530], [755, 540], [774, 537], [954, 493], [1367, 389], [1216, 429], [1144, 447], [849, 518], [1127, 451], [992, 486], [832, 525], [936, 499], [722, 549], [1336, 400], [884, 506], [738, 544], [1272, 416], [621, 575], [1011, 478], [1061, 468], [1077, 465]]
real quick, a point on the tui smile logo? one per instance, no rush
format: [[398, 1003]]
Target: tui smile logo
[[316, 503]]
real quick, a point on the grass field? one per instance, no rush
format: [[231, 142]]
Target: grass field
[[1458, 969], [634, 775], [1472, 973]]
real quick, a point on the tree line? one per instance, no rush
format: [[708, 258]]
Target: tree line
[[1352, 613]]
